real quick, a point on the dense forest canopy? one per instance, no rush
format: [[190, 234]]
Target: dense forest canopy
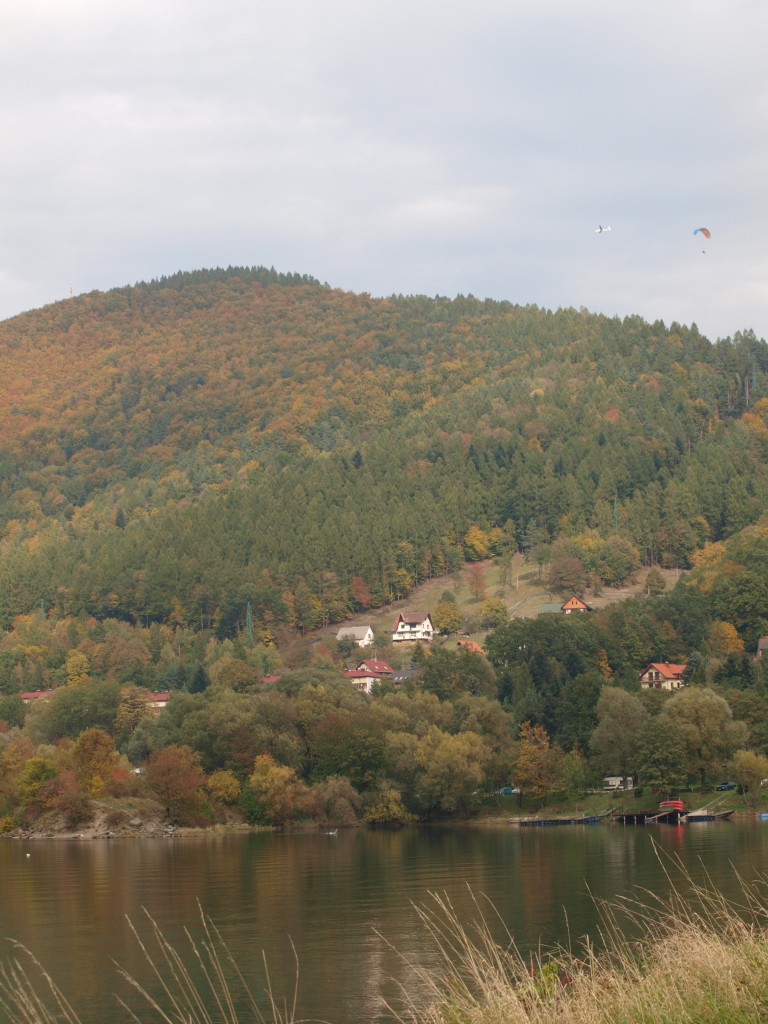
[[234, 439], [197, 472]]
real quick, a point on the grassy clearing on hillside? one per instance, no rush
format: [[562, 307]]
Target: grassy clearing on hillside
[[523, 597]]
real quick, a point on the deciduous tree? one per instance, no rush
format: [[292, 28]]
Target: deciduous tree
[[94, 757], [750, 770], [277, 790], [175, 776], [705, 725], [620, 721], [539, 768]]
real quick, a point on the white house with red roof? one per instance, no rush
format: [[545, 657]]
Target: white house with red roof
[[412, 626], [375, 665], [661, 675], [33, 695], [363, 679]]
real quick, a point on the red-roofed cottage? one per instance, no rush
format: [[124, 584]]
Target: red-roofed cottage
[[660, 675], [363, 680], [381, 668]]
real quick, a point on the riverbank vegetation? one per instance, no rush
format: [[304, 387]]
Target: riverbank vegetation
[[551, 706]]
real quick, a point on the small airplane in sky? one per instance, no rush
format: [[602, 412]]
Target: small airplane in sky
[[600, 229]]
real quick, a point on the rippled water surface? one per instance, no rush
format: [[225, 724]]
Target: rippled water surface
[[344, 903]]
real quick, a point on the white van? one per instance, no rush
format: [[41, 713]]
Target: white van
[[612, 783]]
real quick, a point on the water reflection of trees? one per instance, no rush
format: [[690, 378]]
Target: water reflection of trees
[[345, 903]]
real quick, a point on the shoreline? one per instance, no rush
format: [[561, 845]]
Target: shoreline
[[158, 830]]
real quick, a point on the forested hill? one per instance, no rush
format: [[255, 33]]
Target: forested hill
[[214, 441]]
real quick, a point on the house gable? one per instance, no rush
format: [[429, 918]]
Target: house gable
[[574, 604], [662, 675], [380, 668], [412, 626], [363, 681], [361, 635]]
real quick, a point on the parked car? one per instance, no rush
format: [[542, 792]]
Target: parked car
[[506, 791], [724, 786]]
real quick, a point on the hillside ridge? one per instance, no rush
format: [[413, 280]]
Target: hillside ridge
[[227, 440]]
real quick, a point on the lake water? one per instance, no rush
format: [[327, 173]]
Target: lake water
[[345, 903]]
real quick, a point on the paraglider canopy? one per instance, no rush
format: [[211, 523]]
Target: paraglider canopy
[[704, 231]]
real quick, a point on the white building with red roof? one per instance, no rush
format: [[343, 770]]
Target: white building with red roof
[[661, 675], [363, 680], [32, 695], [377, 666]]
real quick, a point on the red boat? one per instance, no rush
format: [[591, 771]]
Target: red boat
[[669, 813]]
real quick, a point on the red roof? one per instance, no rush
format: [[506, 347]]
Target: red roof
[[372, 665], [356, 674], [666, 670], [575, 602], [270, 679], [35, 694]]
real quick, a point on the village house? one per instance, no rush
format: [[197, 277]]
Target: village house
[[363, 679], [660, 675], [375, 665], [361, 635], [402, 676], [762, 646], [412, 626], [574, 604], [33, 695]]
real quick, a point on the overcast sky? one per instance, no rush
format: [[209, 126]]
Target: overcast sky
[[399, 147]]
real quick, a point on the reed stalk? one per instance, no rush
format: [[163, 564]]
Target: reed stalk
[[201, 984], [696, 959], [692, 957]]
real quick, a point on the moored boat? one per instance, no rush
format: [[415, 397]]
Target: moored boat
[[669, 813]]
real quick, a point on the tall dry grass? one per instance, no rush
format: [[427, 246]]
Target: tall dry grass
[[201, 984], [696, 958], [692, 958]]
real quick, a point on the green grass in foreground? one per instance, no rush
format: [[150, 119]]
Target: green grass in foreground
[[696, 959]]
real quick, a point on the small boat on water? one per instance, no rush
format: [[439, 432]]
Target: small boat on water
[[703, 814], [669, 813]]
